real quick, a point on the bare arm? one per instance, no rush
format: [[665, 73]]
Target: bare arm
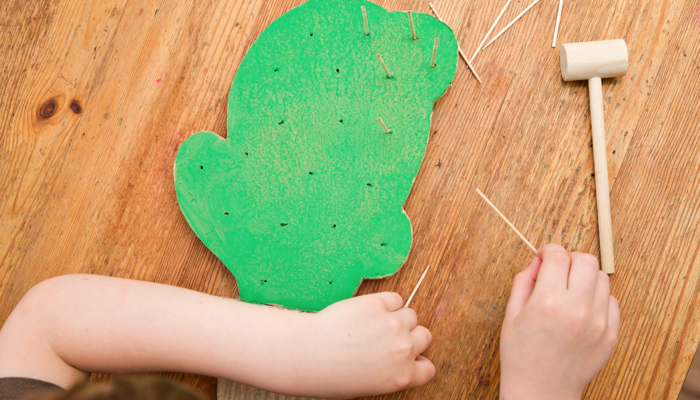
[[78, 323]]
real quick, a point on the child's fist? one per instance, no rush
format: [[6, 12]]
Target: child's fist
[[369, 345], [560, 328]]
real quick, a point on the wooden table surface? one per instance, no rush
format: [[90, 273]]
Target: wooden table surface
[[96, 97]]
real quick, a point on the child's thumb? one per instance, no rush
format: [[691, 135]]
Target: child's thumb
[[523, 285]]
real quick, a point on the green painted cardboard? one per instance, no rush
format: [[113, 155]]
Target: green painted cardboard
[[304, 198]]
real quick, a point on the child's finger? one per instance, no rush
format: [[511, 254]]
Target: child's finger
[[523, 285], [583, 277], [554, 271], [614, 316], [392, 301], [408, 318], [421, 339], [425, 372], [601, 301]]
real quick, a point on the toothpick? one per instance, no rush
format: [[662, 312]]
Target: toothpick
[[464, 57], [512, 22], [417, 286], [381, 60], [432, 7], [364, 14], [413, 27], [556, 29], [490, 30], [534, 250], [384, 125], [461, 53], [432, 63]]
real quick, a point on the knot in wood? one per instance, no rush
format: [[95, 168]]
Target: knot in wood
[[47, 110], [76, 107]]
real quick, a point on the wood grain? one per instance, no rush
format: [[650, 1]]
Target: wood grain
[[97, 96], [691, 387], [229, 390]]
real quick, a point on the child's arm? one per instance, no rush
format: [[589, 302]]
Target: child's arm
[[363, 346], [560, 328]]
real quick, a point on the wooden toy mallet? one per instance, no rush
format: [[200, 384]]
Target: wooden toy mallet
[[594, 61]]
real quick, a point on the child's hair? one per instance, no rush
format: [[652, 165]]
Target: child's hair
[[131, 389]]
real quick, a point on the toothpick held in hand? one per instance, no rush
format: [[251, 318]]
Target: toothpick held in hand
[[534, 250], [461, 53], [417, 286], [511, 23], [556, 29]]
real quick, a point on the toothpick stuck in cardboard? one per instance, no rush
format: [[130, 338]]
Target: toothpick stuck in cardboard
[[461, 53]]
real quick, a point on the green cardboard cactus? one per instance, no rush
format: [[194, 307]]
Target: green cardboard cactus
[[304, 198]]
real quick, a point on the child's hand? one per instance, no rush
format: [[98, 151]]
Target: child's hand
[[560, 327], [369, 345]]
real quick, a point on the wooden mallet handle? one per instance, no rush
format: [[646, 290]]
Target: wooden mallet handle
[[593, 61], [600, 159]]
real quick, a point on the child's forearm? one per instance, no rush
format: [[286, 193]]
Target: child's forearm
[[367, 345], [92, 323]]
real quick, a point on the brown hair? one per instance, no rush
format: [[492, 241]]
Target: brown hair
[[131, 389]]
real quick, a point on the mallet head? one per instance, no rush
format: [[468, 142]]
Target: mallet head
[[586, 60]]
